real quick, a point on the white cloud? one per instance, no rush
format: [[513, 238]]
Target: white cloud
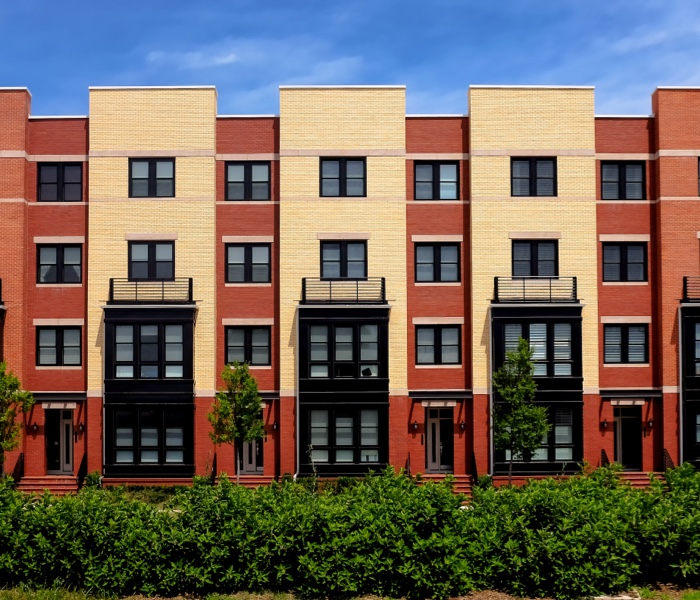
[[204, 59]]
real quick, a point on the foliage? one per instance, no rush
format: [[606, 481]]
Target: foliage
[[235, 414], [518, 424], [13, 402]]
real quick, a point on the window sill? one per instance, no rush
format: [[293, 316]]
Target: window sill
[[58, 368], [438, 366], [451, 200], [630, 283], [625, 365], [59, 285], [260, 367], [438, 284], [239, 285]]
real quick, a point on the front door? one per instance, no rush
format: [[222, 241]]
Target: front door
[[628, 437], [440, 429], [59, 442], [252, 457]]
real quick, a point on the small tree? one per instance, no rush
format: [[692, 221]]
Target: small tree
[[518, 424], [235, 414], [13, 401]]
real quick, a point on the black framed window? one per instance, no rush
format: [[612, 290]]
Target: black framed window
[[59, 263], [151, 177], [58, 346], [247, 263], [551, 344], [558, 445], [534, 258], [151, 261], [622, 180], [626, 344], [624, 262], [247, 180], [436, 181], [533, 176], [344, 435], [152, 351], [344, 351], [438, 345], [248, 344], [342, 177], [343, 260], [60, 182], [437, 262], [151, 437]]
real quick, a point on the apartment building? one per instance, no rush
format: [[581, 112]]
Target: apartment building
[[372, 267]]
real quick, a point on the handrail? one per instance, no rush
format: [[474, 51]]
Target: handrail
[[173, 291], [316, 290], [604, 460], [667, 460], [535, 289]]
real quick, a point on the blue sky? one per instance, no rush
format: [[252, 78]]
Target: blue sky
[[247, 48]]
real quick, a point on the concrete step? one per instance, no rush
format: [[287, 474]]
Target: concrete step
[[58, 485], [462, 483]]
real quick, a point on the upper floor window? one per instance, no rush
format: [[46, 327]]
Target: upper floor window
[[154, 351], [59, 263], [343, 260], [626, 344], [345, 434], [551, 344], [623, 180], [151, 177], [436, 181], [437, 262], [247, 180], [343, 177], [248, 344], [533, 176], [248, 263], [534, 258], [60, 182], [438, 345], [153, 261], [344, 350], [624, 262], [58, 346]]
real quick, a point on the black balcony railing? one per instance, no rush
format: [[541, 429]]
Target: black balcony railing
[[175, 291], [691, 289], [315, 290], [535, 289]]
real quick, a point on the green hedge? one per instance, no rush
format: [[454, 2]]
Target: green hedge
[[381, 535]]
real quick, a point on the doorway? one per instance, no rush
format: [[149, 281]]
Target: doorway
[[59, 442], [252, 457], [440, 449], [628, 437]]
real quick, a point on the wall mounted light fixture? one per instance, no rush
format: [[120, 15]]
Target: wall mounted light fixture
[[35, 428], [415, 425], [604, 424], [650, 423], [275, 426], [462, 425], [81, 427]]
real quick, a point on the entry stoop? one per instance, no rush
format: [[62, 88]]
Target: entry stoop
[[640, 480], [253, 481], [58, 485], [462, 483]]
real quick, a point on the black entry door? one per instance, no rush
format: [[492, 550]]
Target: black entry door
[[440, 440], [628, 437], [53, 440]]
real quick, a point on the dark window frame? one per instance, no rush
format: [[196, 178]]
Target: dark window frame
[[534, 257], [342, 177], [248, 343], [437, 262], [436, 180], [550, 362], [60, 346], [248, 262], [247, 180], [622, 181], [152, 262], [437, 344], [625, 344], [60, 180], [340, 369], [624, 261], [343, 259], [60, 264], [532, 180], [161, 362], [152, 177]]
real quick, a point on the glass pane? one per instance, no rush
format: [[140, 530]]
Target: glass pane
[[48, 274], [125, 352], [320, 456], [48, 255], [236, 255], [318, 371], [369, 418], [425, 355], [563, 454], [174, 436], [448, 191], [236, 274], [610, 172], [261, 337], [48, 173], [538, 341], [356, 252], [512, 333], [369, 455], [47, 356], [634, 173], [260, 191], [124, 436], [355, 169], [72, 173], [124, 456], [72, 192], [424, 173], [610, 191], [48, 192], [173, 334], [235, 191], [71, 256], [545, 187], [330, 187], [356, 270], [562, 370], [540, 454], [164, 188], [319, 333], [521, 187], [174, 456], [562, 341], [425, 336], [124, 371], [450, 336], [164, 252], [149, 436], [330, 168], [174, 371], [424, 191], [563, 434], [139, 252], [521, 168], [545, 168], [343, 431], [448, 173], [343, 334], [450, 355], [425, 272], [330, 252], [344, 456], [261, 255], [139, 188], [149, 456], [634, 191], [236, 337], [139, 169], [260, 355], [235, 173], [47, 337], [149, 371], [149, 333], [355, 187], [369, 370], [164, 270], [235, 354], [369, 333], [164, 169], [369, 351], [71, 337], [260, 173]]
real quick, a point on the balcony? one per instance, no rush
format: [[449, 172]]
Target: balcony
[[175, 291], [691, 289], [534, 289], [315, 290]]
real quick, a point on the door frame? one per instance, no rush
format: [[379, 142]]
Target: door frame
[[434, 434], [66, 444]]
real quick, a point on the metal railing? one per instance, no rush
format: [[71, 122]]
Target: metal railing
[[535, 289], [174, 291], [604, 460], [315, 290], [691, 289], [667, 460]]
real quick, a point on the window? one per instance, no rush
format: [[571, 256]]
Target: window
[[58, 346], [624, 262], [622, 180], [343, 260], [149, 351], [437, 262], [59, 264], [551, 345], [436, 181], [626, 344], [152, 178], [438, 345], [560, 440], [533, 177], [344, 435], [343, 177], [151, 261], [151, 437], [247, 181], [248, 263], [344, 351], [60, 182], [248, 344], [535, 259]]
